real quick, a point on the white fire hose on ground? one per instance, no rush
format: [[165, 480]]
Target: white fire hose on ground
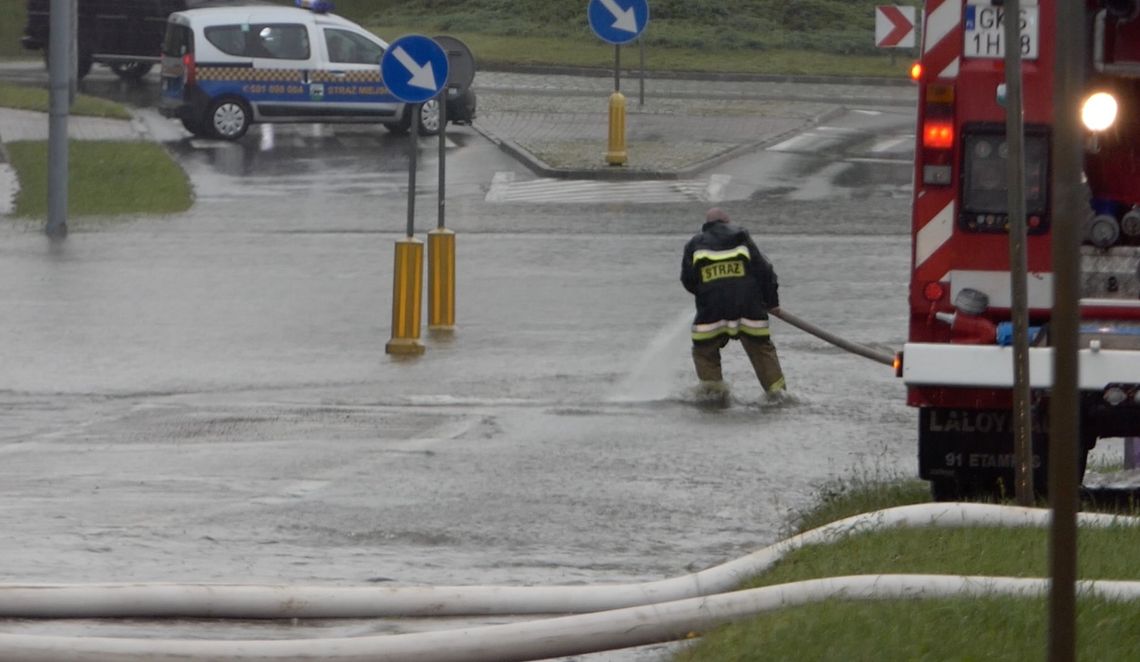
[[545, 638], [610, 616]]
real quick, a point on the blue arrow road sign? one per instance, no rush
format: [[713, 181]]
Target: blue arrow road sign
[[414, 68], [618, 21]]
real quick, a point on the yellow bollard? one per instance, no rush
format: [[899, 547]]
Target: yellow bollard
[[407, 294], [616, 155], [441, 280]]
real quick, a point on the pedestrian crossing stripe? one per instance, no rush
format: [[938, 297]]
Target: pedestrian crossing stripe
[[9, 187], [505, 189]]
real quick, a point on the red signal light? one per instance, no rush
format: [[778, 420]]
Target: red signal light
[[190, 68], [938, 134]]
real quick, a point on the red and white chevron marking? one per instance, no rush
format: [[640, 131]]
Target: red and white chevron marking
[[935, 207]]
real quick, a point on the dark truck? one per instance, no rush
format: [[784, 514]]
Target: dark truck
[[123, 34]]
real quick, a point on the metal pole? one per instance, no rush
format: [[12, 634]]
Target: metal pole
[[617, 68], [1018, 264], [61, 49], [413, 148], [442, 153], [1069, 208], [641, 91]]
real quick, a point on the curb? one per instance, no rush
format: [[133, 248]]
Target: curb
[[543, 169], [597, 72]]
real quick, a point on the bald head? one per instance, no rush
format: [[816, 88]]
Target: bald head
[[716, 214]]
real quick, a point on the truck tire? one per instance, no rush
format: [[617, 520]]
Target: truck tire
[[228, 118], [131, 71], [82, 66]]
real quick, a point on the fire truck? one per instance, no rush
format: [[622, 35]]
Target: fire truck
[[958, 361]]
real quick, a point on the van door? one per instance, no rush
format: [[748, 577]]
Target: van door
[[283, 60], [349, 81]]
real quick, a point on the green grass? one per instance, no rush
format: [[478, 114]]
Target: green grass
[[942, 629], [1005, 629], [11, 27], [35, 98], [810, 37], [496, 52], [105, 178]]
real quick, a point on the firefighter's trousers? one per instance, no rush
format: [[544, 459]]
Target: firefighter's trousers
[[761, 352]]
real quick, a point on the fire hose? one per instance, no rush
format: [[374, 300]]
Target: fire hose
[[853, 347], [617, 616]]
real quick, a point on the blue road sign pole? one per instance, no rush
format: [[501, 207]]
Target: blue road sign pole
[[414, 69], [442, 160], [413, 151], [617, 68]]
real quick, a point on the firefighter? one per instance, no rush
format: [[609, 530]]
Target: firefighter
[[735, 287]]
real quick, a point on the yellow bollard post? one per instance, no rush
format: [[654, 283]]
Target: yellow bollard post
[[407, 294], [616, 154], [441, 280]]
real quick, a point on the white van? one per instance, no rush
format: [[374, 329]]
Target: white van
[[225, 68]]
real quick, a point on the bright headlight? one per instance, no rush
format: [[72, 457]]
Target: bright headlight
[[1098, 112]]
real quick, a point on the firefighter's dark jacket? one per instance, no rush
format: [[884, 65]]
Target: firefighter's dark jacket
[[734, 284]]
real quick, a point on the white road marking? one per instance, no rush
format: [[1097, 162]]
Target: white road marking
[[868, 159], [505, 188], [9, 186], [888, 144]]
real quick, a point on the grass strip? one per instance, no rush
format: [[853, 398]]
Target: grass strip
[[999, 628], [25, 97], [1007, 629], [495, 51], [105, 178]]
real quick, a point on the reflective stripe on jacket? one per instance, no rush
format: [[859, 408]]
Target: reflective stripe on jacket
[[733, 282]]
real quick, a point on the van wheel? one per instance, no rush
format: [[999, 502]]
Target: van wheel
[[131, 70], [401, 126], [228, 118], [429, 117], [195, 127]]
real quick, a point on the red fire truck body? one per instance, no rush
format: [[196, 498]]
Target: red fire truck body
[[957, 363]]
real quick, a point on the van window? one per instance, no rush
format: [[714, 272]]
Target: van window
[[278, 41], [285, 42], [348, 47], [179, 40]]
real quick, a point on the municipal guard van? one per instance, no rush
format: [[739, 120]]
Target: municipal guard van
[[225, 68]]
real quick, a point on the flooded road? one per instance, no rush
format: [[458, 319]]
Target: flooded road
[[206, 398]]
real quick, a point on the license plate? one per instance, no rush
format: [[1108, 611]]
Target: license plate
[[985, 31]]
